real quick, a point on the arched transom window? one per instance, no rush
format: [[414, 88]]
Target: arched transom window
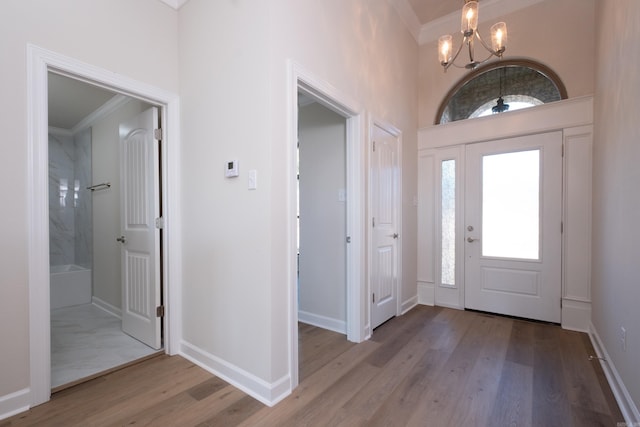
[[505, 85]]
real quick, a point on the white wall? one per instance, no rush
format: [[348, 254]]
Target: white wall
[[557, 33], [112, 34], [322, 263], [107, 283], [233, 58], [616, 199]]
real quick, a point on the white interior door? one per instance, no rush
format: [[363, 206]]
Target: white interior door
[[140, 239], [513, 214], [385, 233]]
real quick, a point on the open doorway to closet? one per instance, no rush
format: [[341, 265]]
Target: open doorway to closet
[[322, 231]]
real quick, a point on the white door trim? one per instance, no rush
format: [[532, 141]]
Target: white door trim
[[396, 133], [300, 79], [39, 63]]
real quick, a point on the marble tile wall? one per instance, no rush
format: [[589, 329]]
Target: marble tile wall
[[83, 203], [70, 230]]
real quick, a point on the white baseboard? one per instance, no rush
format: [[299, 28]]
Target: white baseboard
[[576, 315], [267, 393], [426, 293], [111, 309], [409, 304], [335, 325], [625, 402], [15, 403]]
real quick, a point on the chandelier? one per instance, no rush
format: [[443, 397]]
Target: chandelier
[[469, 30]]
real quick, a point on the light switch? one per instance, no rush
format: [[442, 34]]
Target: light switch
[[253, 179]]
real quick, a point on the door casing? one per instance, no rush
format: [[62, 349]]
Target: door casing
[[39, 63], [302, 80]]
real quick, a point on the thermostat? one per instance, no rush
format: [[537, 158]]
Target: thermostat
[[231, 169]]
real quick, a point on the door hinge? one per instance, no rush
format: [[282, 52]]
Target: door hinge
[[160, 223], [561, 227], [157, 134], [562, 150], [160, 311], [348, 239], [373, 222], [373, 298], [374, 146]]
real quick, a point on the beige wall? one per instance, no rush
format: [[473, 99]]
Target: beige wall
[[113, 34], [558, 33], [233, 58], [616, 199]]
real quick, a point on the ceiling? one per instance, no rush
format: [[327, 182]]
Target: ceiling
[[71, 100], [430, 10]]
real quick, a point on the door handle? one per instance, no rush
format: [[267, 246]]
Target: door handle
[[121, 239], [394, 235], [471, 239]]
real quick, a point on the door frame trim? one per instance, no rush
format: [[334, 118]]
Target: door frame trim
[[300, 79], [39, 63]]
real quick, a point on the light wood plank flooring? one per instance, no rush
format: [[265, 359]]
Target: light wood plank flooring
[[431, 367]]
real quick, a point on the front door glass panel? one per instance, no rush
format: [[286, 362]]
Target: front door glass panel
[[511, 205]]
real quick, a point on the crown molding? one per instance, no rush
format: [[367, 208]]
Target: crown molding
[[489, 10], [107, 108], [175, 4], [408, 16]]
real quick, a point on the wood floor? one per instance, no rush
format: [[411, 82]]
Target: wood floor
[[431, 367]]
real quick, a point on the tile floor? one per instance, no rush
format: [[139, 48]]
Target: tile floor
[[86, 340]]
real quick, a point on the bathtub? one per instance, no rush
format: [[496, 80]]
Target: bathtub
[[69, 285]]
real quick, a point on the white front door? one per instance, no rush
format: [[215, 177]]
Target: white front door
[[384, 224], [140, 239], [513, 214]]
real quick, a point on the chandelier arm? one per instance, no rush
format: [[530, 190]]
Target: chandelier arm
[[493, 52]]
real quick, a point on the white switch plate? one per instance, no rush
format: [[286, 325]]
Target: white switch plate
[[253, 179]]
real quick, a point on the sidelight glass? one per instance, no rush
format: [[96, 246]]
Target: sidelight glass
[[511, 205], [448, 223]]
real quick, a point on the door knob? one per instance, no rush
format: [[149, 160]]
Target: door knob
[[121, 239]]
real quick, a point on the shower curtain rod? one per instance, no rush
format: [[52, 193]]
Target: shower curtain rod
[[98, 187]]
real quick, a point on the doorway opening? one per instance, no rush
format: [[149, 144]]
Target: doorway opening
[[85, 200], [40, 63], [322, 231]]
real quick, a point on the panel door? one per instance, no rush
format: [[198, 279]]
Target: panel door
[[140, 239], [384, 236], [513, 226]]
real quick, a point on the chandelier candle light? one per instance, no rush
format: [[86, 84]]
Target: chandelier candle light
[[469, 30]]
